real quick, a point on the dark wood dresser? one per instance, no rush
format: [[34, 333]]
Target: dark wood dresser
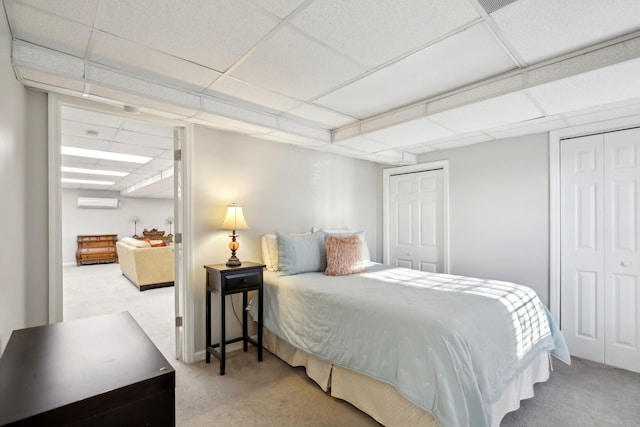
[[97, 249], [97, 371]]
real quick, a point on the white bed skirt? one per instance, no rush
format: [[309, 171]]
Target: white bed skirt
[[382, 401]]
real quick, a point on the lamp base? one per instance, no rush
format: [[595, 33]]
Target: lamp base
[[233, 261]]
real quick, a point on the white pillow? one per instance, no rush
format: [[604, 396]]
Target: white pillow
[[269, 244]]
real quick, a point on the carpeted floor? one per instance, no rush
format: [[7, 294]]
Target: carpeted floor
[[274, 394]]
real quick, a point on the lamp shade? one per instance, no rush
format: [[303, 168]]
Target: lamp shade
[[234, 219]]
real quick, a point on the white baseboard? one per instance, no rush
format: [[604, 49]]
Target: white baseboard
[[69, 264]]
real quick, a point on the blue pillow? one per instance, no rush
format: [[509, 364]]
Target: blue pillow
[[301, 253], [366, 256]]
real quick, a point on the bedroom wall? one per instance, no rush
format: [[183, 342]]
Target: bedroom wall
[[499, 210], [23, 275], [153, 213], [280, 187]]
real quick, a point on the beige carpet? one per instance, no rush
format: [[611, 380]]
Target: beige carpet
[[272, 393]]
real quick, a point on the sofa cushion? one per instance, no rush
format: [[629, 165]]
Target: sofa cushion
[[130, 241]]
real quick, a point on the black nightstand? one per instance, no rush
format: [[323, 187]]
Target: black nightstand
[[223, 281]]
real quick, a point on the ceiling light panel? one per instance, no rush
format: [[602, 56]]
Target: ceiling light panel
[[512, 108], [375, 35], [410, 133], [105, 155], [87, 181], [248, 92], [464, 58], [607, 85], [320, 115], [124, 54], [212, 34], [543, 29], [44, 29], [92, 171], [295, 65], [137, 150]]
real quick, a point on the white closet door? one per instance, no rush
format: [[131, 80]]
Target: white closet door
[[622, 261], [600, 262], [416, 221], [582, 249]]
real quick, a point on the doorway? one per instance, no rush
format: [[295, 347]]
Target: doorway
[[160, 214]]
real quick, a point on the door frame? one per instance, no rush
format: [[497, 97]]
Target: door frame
[[554, 196], [184, 289], [402, 170]]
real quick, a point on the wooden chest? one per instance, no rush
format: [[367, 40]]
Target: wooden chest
[[97, 249]]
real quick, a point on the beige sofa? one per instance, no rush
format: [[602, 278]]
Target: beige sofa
[[145, 266]]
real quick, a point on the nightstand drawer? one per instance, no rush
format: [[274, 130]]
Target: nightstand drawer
[[241, 281]]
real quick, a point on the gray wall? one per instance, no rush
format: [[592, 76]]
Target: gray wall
[[23, 183], [153, 213], [281, 187], [499, 210]]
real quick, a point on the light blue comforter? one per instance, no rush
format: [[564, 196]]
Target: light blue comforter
[[447, 343]]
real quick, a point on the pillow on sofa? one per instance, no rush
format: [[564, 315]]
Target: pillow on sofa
[[156, 243], [135, 242], [344, 255]]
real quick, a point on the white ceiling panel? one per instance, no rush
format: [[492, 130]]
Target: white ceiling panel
[[527, 128], [148, 128], [320, 115], [460, 141], [600, 87], [461, 59], [85, 142], [124, 54], [375, 35], [80, 129], [213, 34], [239, 89], [599, 113], [143, 139], [512, 108], [293, 64], [543, 29], [51, 79], [82, 11], [280, 8], [410, 133], [90, 118], [138, 150], [363, 144], [44, 29]]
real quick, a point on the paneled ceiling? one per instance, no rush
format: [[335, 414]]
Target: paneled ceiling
[[378, 80]]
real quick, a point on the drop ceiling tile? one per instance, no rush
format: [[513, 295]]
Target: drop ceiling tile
[[461, 141], [363, 144], [79, 129], [410, 133], [143, 139], [420, 149], [528, 128], [543, 29], [148, 128], [490, 113], [280, 8], [292, 138], [294, 65], [607, 85], [245, 91], [91, 118], [126, 55], [159, 108], [604, 112], [212, 34], [464, 58], [51, 79], [138, 150], [82, 11], [320, 115], [44, 29], [375, 35], [220, 122]]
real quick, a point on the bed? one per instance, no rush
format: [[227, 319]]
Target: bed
[[406, 347]]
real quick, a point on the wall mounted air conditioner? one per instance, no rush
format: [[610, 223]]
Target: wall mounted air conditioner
[[98, 203]]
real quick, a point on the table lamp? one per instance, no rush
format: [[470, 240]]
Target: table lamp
[[234, 220]]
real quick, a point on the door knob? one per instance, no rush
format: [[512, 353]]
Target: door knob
[[625, 263]]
